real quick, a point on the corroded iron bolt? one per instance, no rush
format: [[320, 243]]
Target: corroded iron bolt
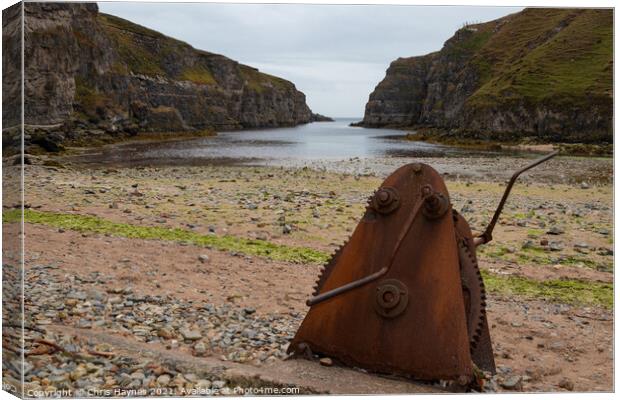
[[385, 200], [427, 190], [384, 196], [432, 202], [435, 204]]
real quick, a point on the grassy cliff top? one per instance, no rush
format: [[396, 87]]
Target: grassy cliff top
[[148, 52], [543, 55]]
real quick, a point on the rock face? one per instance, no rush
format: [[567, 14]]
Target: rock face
[[320, 118], [542, 73], [90, 74]]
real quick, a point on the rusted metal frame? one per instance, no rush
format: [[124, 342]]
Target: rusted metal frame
[[373, 277], [487, 235]]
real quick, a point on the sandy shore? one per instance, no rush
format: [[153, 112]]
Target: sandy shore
[[158, 256]]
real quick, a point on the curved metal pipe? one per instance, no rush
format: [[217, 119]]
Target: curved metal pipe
[[487, 235]]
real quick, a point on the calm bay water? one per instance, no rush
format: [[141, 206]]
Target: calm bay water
[[315, 141]]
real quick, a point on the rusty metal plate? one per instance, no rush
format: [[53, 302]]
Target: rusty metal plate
[[428, 339]]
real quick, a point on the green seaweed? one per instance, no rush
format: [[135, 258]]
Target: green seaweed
[[535, 232], [85, 223], [538, 255], [569, 291]]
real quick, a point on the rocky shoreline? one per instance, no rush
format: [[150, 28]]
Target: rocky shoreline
[[92, 77], [207, 269], [523, 144], [481, 142]]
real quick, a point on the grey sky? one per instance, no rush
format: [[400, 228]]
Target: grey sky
[[335, 54]]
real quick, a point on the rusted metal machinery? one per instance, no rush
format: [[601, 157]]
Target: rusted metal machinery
[[404, 295]]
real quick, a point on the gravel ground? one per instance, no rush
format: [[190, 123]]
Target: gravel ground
[[561, 170], [547, 232], [59, 363]]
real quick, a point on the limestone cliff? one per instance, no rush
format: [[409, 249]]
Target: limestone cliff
[[542, 73], [89, 75]]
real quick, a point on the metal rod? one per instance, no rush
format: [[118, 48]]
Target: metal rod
[[347, 287], [376, 275], [487, 236]]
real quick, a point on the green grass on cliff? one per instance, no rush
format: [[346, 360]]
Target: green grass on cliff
[[139, 58], [560, 56], [471, 41], [259, 81], [147, 52], [198, 74], [570, 291], [132, 43], [128, 26]]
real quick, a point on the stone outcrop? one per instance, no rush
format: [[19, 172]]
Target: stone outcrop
[[541, 73], [316, 117], [90, 75]]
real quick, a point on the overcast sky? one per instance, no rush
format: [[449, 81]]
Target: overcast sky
[[335, 54]]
